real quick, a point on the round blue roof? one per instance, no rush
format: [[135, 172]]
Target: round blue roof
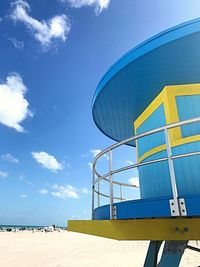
[[130, 85]]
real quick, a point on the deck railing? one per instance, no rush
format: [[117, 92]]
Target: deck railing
[[109, 177]]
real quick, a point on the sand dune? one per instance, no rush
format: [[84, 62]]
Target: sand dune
[[67, 249]]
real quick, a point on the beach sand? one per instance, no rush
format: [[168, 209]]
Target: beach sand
[[68, 249]]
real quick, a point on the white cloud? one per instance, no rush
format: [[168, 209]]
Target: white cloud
[[3, 174], [47, 161], [134, 181], [98, 4], [85, 190], [129, 162], [13, 105], [23, 196], [9, 157], [43, 191], [90, 165], [64, 191], [17, 44], [95, 152], [45, 32]]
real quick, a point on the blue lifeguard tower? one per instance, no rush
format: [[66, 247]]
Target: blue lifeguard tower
[[150, 99]]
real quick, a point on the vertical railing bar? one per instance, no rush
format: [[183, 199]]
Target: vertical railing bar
[[93, 192], [171, 166], [111, 185], [121, 196], [99, 193]]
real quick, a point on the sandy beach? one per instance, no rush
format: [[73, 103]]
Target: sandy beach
[[68, 249]]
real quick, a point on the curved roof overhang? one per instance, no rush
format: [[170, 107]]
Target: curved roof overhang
[[130, 85]]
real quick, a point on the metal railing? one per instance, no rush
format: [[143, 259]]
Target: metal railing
[[108, 177]]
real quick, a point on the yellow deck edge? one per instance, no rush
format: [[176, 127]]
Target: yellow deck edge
[[140, 229]]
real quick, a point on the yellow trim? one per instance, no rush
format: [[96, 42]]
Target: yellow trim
[[140, 229], [168, 98], [186, 140], [171, 112], [151, 152], [149, 110]]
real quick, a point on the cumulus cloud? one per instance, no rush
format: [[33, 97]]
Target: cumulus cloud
[[95, 152], [47, 161], [99, 5], [64, 191], [45, 32], [134, 181], [17, 44], [9, 157], [14, 108], [43, 191], [3, 174], [85, 190]]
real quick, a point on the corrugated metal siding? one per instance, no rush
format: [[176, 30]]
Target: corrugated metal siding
[[124, 97], [189, 107], [155, 179], [157, 119]]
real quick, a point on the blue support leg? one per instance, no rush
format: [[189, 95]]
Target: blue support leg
[[172, 253], [152, 254]]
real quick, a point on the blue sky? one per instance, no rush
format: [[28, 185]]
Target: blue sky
[[53, 54]]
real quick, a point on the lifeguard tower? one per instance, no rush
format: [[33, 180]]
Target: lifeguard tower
[[150, 98]]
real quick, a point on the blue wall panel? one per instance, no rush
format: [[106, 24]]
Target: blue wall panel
[[102, 213], [143, 208], [156, 120], [188, 108], [155, 178]]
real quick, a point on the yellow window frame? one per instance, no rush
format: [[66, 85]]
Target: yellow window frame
[[167, 97]]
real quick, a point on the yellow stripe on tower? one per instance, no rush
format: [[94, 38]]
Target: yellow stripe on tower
[[168, 98]]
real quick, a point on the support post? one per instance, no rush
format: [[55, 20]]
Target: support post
[[111, 185], [121, 196], [152, 254], [174, 204], [98, 194], [93, 180], [172, 253]]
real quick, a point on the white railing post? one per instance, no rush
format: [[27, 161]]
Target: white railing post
[[177, 205], [98, 193], [121, 196], [174, 203], [111, 185], [93, 186]]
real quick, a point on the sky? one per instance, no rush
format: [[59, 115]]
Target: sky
[[53, 54]]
